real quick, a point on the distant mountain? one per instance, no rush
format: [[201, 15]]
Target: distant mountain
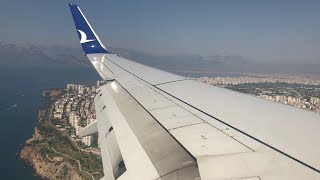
[[60, 56], [185, 62], [39, 56], [215, 63], [56, 56]]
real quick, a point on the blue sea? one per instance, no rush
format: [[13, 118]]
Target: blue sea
[[20, 99]]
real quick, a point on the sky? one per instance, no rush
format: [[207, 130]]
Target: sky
[[266, 31]]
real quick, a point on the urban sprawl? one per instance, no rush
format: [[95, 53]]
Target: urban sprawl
[[75, 110], [301, 91]]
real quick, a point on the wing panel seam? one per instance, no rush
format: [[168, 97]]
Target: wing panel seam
[[158, 122], [242, 132], [171, 82]]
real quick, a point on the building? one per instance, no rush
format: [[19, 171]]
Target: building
[[314, 100], [71, 116], [74, 119], [87, 140], [93, 89], [57, 115], [59, 106], [81, 89], [70, 87]]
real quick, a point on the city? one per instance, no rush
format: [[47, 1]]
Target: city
[[301, 91], [55, 149], [74, 110]]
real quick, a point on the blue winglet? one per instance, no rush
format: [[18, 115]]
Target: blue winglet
[[89, 40]]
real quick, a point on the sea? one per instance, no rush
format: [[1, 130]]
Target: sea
[[20, 100]]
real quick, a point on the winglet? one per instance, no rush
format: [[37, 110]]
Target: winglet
[[89, 40]]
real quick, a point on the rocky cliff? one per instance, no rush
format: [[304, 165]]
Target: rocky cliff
[[44, 166]]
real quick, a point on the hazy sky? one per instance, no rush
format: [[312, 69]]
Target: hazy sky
[[270, 30]]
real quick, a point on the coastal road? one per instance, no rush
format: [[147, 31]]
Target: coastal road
[[74, 145], [48, 121]]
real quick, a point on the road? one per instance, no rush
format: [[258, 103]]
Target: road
[[72, 143], [79, 164], [48, 121]]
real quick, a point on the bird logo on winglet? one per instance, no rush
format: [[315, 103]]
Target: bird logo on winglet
[[84, 37]]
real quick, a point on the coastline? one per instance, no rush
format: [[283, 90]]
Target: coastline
[[43, 167], [42, 151]]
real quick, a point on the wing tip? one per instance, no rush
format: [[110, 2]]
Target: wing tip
[[89, 40]]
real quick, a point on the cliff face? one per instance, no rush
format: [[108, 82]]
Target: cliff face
[[44, 167]]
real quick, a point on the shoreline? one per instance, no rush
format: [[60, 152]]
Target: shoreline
[[40, 150]]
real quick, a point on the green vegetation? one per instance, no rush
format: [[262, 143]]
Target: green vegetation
[[52, 139]]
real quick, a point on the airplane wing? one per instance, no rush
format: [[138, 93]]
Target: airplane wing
[[156, 125]]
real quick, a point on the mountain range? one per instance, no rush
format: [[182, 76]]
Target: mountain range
[[28, 55]]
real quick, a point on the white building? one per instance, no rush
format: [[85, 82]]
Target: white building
[[93, 89], [59, 106], [57, 115], [87, 140], [81, 89], [70, 87], [71, 116], [74, 119]]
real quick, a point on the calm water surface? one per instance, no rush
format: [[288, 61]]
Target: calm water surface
[[20, 99]]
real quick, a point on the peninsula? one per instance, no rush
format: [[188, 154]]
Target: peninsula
[[55, 151]]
